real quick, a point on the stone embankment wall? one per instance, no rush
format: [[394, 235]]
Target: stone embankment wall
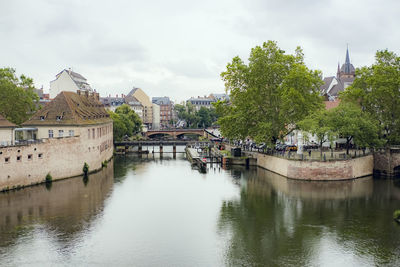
[[387, 162], [61, 157], [318, 170]]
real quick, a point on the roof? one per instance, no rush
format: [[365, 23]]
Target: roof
[[4, 123], [70, 108], [331, 104], [132, 91], [161, 100]]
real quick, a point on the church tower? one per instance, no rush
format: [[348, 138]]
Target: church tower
[[347, 70]]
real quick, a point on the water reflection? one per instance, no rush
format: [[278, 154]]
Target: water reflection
[[63, 208], [291, 222]]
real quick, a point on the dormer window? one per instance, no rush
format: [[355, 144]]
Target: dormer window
[[58, 118], [42, 118]]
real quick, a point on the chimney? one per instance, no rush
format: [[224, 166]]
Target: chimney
[[69, 71], [96, 96], [117, 96], [87, 93], [78, 92]]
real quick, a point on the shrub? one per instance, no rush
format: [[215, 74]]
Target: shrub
[[85, 168], [49, 178], [396, 214], [104, 164]]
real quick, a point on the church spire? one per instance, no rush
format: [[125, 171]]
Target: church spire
[[347, 63], [338, 70]]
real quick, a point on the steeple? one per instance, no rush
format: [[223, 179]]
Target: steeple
[[338, 70], [347, 63]]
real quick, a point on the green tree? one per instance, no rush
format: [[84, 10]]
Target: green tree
[[269, 95], [351, 123], [126, 122], [132, 118], [319, 124], [376, 89], [18, 101]]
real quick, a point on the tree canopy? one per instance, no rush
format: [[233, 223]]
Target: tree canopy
[[377, 90], [17, 97], [269, 95], [126, 122], [202, 118]]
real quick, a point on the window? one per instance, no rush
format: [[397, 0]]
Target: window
[[93, 133], [40, 156], [19, 158], [71, 133], [7, 160], [42, 118], [51, 134], [30, 157], [88, 133], [58, 118], [60, 133]]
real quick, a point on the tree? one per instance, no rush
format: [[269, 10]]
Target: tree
[[202, 118], [351, 123], [131, 116], [18, 101], [125, 122], [376, 89], [319, 124], [269, 95]]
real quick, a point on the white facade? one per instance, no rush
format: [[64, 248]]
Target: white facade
[[156, 117], [68, 80]]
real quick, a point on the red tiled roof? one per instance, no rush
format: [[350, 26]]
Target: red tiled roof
[[4, 123], [71, 109], [331, 104]]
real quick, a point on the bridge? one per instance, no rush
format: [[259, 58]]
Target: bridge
[[176, 133]]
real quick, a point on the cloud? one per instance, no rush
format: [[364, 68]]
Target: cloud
[[179, 48]]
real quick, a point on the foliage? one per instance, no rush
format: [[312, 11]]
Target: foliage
[[85, 168], [347, 121], [126, 122], [269, 95], [203, 118], [104, 164], [17, 97], [376, 89], [396, 214], [49, 178], [351, 123], [320, 125]]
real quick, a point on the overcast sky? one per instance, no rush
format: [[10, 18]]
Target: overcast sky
[[178, 48]]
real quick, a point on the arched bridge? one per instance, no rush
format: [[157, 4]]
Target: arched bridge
[[175, 133]]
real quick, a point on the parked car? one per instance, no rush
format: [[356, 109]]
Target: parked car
[[280, 147], [291, 148]]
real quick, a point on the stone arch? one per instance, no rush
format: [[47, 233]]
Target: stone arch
[[396, 171]]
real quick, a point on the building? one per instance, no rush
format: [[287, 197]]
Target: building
[[166, 110], [219, 97], [335, 84], [111, 103], [156, 117], [72, 129], [201, 102], [67, 80], [141, 104], [6, 132]]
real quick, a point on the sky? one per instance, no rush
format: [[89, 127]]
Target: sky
[[178, 48]]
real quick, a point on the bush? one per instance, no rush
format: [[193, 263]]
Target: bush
[[85, 168], [396, 214], [104, 164], [49, 178]]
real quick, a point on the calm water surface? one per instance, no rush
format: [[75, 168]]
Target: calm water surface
[[161, 212]]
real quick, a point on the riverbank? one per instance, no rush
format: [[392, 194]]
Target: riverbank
[[333, 170]]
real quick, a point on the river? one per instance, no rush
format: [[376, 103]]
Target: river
[[160, 212]]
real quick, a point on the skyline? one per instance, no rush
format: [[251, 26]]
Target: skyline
[[178, 49]]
